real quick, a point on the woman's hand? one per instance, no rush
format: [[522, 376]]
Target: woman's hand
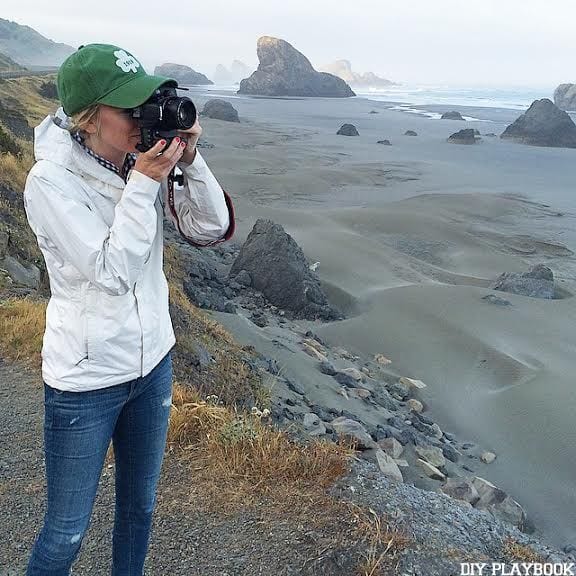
[[157, 166], [191, 137]]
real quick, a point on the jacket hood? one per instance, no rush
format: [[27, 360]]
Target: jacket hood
[[53, 142]]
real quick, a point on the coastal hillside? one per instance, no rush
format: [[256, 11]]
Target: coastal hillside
[[332, 470], [29, 48]]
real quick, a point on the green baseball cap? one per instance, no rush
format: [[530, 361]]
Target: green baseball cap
[[105, 74]]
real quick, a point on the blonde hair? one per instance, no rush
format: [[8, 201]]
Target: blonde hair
[[81, 120]]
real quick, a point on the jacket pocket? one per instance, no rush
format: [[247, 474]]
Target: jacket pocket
[[64, 340]]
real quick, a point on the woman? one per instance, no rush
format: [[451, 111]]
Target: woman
[[97, 211]]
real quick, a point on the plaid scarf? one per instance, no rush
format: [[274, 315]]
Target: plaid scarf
[[126, 167]]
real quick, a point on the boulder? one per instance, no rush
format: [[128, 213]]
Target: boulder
[[430, 470], [313, 425], [28, 276], [487, 457], [432, 455], [354, 373], [388, 466], [415, 405], [410, 133], [314, 352], [391, 446], [461, 489], [538, 282], [543, 124], [360, 393], [464, 137], [382, 360], [565, 97], [353, 430], [348, 130], [452, 115], [327, 368], [220, 110], [412, 383], [278, 268], [383, 398], [497, 502], [385, 142], [284, 71], [184, 75]]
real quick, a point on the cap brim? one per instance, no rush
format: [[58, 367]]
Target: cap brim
[[135, 91]]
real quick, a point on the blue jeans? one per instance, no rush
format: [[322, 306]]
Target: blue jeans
[[78, 427]]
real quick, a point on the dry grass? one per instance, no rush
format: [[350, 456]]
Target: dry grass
[[516, 552], [22, 323], [14, 169], [22, 94], [241, 457], [383, 542], [237, 461]]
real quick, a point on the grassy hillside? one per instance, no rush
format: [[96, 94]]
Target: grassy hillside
[[21, 108]]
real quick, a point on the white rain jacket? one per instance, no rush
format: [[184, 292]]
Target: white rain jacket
[[107, 320]]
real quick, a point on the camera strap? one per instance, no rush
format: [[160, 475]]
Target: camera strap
[[172, 177]]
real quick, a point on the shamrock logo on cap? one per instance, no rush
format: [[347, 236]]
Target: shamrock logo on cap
[[126, 62]]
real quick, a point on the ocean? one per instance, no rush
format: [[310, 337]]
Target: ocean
[[416, 99], [481, 97]]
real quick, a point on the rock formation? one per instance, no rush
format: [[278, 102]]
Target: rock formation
[[220, 110], [343, 69], [452, 115], [283, 71], [233, 75], [185, 75], [565, 97], [538, 282], [348, 130], [278, 268], [467, 136], [543, 124]]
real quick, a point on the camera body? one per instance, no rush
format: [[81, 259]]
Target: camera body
[[162, 115]]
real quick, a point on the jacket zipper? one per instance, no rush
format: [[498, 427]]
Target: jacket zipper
[[141, 334]]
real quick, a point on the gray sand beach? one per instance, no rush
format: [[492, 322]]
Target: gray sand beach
[[408, 238]]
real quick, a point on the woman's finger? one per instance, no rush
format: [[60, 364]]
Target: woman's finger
[[175, 150]]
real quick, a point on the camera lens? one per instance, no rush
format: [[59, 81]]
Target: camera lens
[[179, 113], [186, 114]]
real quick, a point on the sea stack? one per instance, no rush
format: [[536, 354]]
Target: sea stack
[[543, 124], [283, 71]]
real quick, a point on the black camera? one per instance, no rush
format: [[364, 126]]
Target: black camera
[[162, 115]]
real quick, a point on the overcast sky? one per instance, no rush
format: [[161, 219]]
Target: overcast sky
[[454, 42]]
